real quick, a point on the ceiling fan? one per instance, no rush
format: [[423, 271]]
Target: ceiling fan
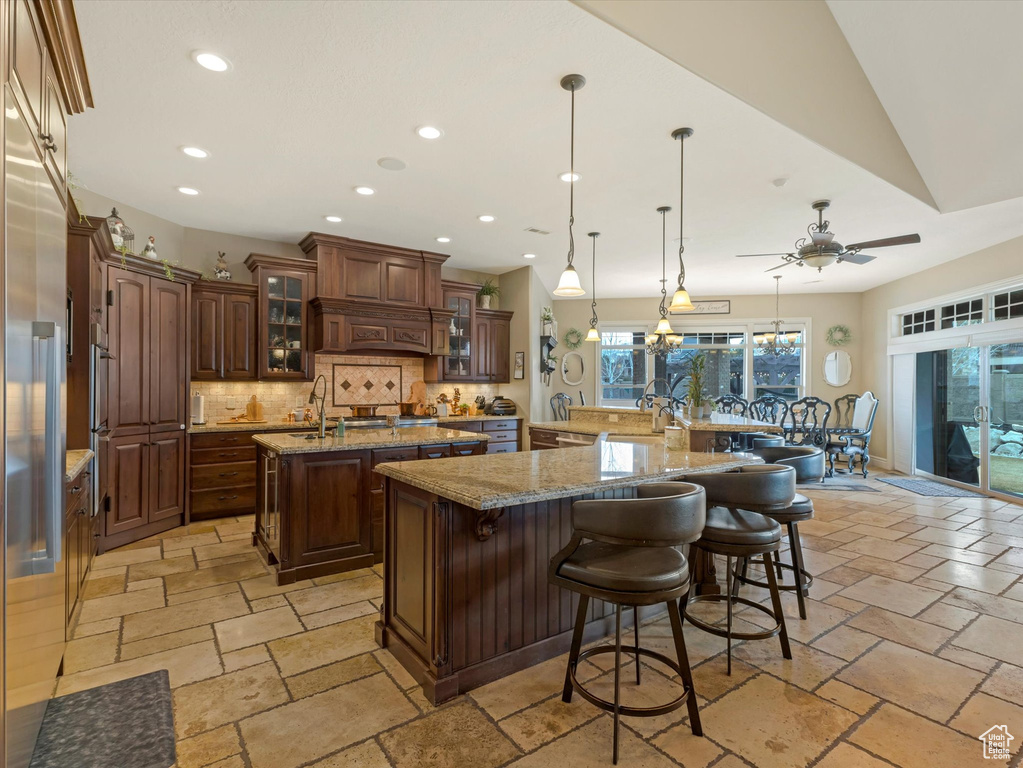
[[821, 250]]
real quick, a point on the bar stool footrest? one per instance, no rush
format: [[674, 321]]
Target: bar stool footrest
[[736, 574], [722, 632], [608, 706]]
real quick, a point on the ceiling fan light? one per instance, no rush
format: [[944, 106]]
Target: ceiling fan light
[[680, 302], [592, 335], [822, 238], [663, 327], [569, 284], [819, 260]]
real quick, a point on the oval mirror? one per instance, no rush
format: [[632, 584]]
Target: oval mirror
[[837, 368], [572, 369]]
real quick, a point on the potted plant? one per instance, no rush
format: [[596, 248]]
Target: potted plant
[[697, 379], [486, 291]]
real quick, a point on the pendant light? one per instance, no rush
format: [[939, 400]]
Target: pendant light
[[569, 284], [680, 302], [663, 340], [593, 334]]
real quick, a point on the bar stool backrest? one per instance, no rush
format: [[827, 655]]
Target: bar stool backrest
[[663, 521], [758, 487], [807, 460]]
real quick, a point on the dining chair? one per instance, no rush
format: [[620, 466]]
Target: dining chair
[[768, 407], [559, 404], [807, 422], [732, 404], [853, 440]]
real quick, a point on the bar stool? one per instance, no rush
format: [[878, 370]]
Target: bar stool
[[746, 440], [623, 551], [808, 463], [736, 528]]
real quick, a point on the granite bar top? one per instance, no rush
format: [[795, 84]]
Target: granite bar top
[[362, 439], [593, 427], [281, 426], [76, 461], [506, 479], [718, 422]]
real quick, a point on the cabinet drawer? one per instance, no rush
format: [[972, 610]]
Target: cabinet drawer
[[228, 440], [224, 499], [463, 426], [395, 454], [543, 436], [223, 475], [223, 455], [466, 449], [434, 451], [511, 447], [77, 489], [500, 426], [503, 436]]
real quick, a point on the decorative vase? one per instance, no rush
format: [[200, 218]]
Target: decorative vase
[[485, 301]]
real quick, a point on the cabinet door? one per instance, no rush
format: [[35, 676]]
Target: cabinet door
[[482, 353], [128, 368], [207, 335], [500, 351], [127, 483], [27, 57], [458, 365], [329, 519], [72, 562], [97, 288], [239, 337], [168, 355], [376, 490], [53, 136], [284, 325], [166, 475]]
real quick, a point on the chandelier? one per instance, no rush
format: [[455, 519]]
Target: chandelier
[[663, 340], [776, 343]]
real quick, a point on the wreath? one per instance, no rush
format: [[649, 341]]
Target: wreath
[[573, 338], [839, 335]]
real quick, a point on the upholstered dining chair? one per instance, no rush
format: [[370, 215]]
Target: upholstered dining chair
[[807, 422], [559, 404], [853, 440]]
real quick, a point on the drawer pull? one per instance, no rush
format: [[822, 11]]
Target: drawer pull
[[226, 455], [228, 474], [75, 488], [227, 498]]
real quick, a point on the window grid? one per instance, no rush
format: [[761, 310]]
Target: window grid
[[992, 307], [962, 313], [918, 322], [1007, 305]]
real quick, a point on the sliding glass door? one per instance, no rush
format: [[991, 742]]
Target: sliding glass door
[[969, 417]]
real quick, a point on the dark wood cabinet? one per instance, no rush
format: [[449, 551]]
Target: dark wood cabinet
[[127, 469], [222, 475], [478, 346], [129, 337], [168, 360], [284, 287], [166, 474], [224, 331], [53, 136], [79, 540]]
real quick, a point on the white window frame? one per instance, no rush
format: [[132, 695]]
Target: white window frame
[[726, 324]]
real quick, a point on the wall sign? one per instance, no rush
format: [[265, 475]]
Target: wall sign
[[717, 307]]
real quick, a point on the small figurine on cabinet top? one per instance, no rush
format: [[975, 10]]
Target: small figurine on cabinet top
[[220, 270], [149, 251]]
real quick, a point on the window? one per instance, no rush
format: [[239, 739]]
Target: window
[[734, 364], [962, 313], [1008, 305], [918, 322], [969, 310]]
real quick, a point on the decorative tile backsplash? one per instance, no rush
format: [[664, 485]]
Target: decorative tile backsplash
[[226, 399]]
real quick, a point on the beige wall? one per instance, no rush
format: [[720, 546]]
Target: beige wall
[[999, 262], [823, 311]]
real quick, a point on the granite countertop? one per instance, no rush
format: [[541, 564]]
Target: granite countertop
[[362, 439], [593, 427], [505, 479], [77, 461], [716, 423], [281, 426]]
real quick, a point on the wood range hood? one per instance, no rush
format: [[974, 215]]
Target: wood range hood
[[376, 298]]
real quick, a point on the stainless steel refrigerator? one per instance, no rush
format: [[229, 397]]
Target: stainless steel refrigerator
[[34, 436]]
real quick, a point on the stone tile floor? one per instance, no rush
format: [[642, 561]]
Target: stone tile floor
[[912, 649]]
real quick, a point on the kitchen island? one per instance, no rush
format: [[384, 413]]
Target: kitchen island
[[468, 543], [320, 506]]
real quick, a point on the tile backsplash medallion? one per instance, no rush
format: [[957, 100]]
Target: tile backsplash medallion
[[367, 381]]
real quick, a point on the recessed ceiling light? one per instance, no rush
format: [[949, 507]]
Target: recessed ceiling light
[[211, 61], [391, 164], [486, 218], [333, 219], [429, 132], [569, 176], [365, 190], [195, 152], [529, 255], [443, 239], [188, 191]]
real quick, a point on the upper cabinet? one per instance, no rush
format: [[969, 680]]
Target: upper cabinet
[[283, 342], [478, 347], [224, 331]]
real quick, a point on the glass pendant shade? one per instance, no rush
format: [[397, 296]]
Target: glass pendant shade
[[680, 301], [569, 284], [663, 327], [592, 335]]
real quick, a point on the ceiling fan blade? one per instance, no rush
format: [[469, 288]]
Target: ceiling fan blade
[[858, 258], [786, 264], [885, 242], [751, 255]]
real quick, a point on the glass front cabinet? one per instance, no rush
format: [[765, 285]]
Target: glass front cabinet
[[284, 323], [458, 364]]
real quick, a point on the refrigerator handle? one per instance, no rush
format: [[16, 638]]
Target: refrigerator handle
[[53, 474]]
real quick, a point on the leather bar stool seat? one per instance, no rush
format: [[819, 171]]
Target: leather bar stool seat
[[800, 509], [626, 552], [626, 569], [745, 439], [737, 527]]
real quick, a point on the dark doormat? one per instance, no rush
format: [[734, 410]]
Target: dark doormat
[[831, 484], [127, 724], [925, 487]]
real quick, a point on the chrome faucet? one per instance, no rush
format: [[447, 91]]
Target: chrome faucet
[[313, 399], [642, 399]]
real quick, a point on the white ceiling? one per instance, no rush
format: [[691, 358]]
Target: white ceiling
[[320, 90], [950, 76]]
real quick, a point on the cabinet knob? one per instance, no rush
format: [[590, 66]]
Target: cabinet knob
[[75, 488], [48, 142]]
